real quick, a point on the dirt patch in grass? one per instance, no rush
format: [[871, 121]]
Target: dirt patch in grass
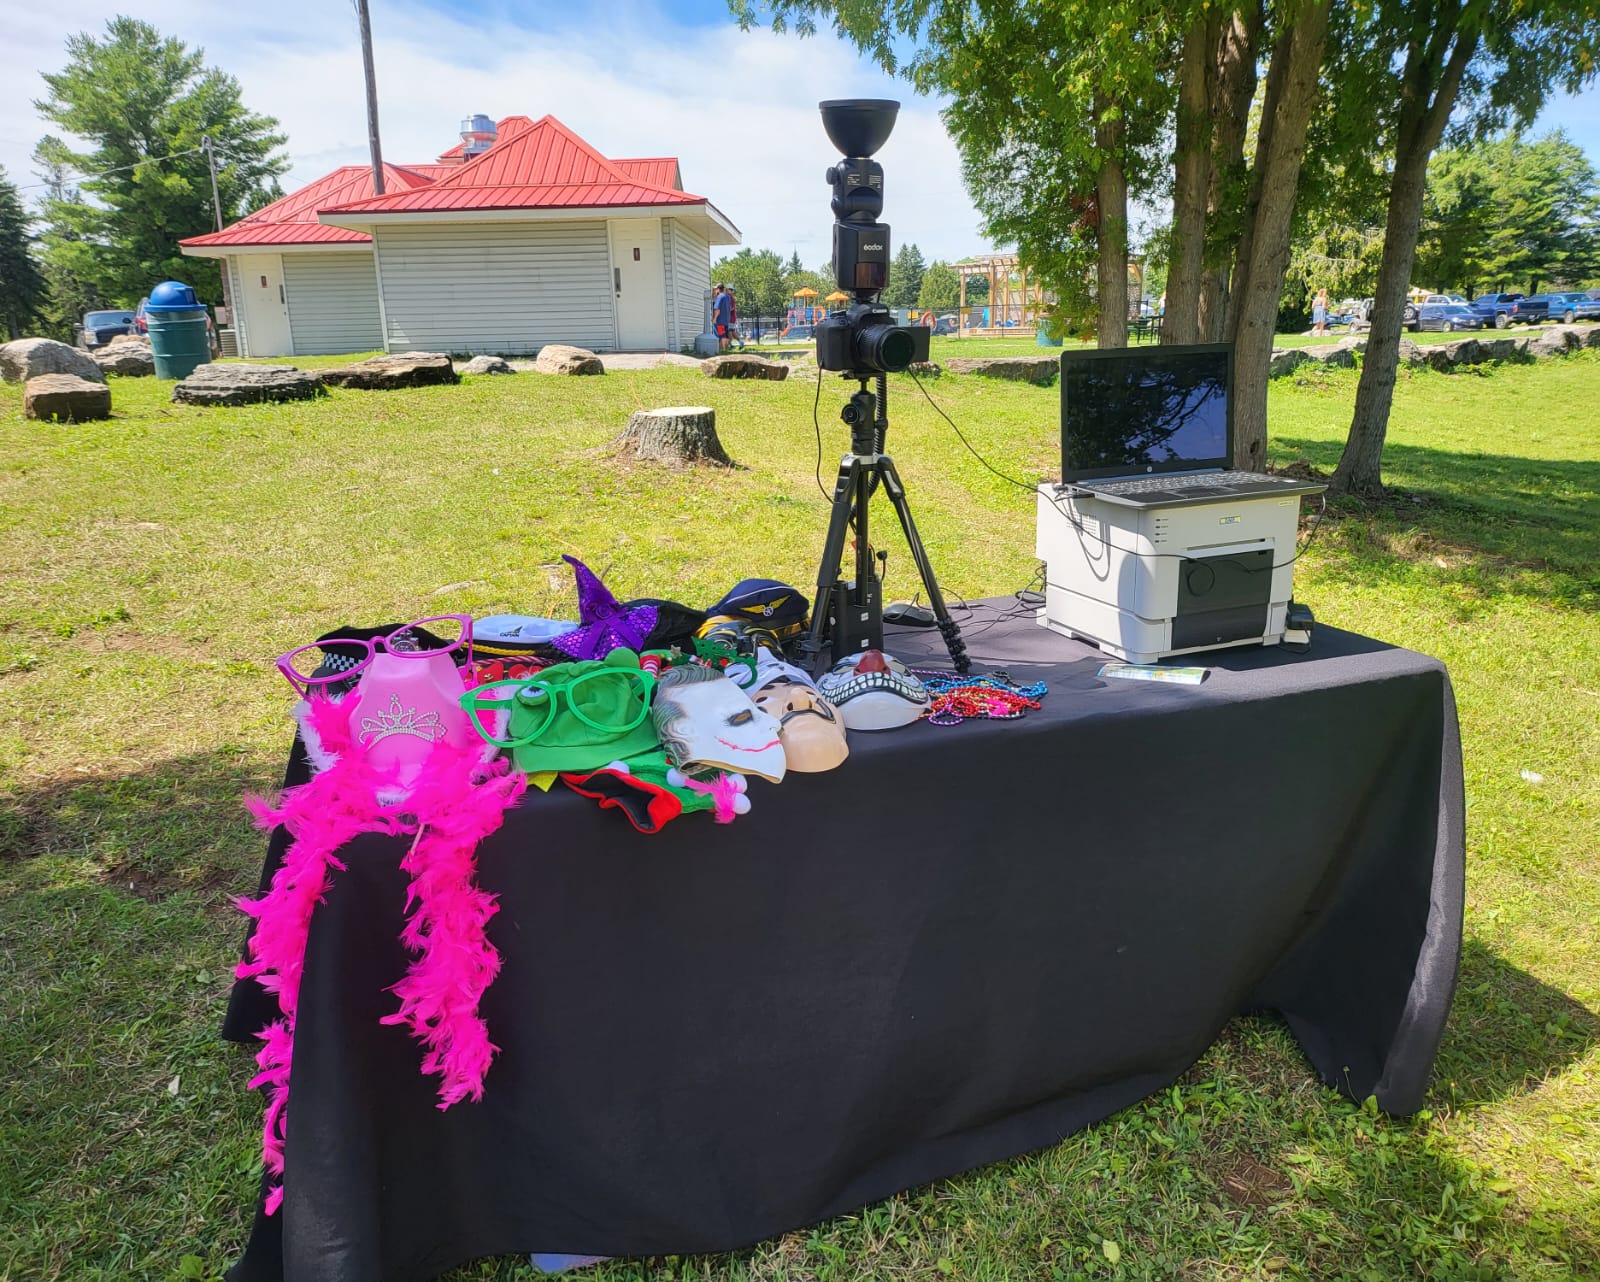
[[1248, 1182]]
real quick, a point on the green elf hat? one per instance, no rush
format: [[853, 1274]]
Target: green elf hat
[[583, 715], [650, 792]]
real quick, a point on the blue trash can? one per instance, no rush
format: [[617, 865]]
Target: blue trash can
[[178, 339]]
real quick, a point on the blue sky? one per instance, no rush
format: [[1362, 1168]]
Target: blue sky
[[634, 77]]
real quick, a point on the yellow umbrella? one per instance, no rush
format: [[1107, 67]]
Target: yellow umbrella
[[838, 296], [805, 291]]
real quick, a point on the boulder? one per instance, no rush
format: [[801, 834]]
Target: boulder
[[1340, 355], [560, 358], [1411, 353], [1446, 356], [487, 365], [1285, 360], [65, 397], [1591, 336], [1553, 342], [124, 339], [1038, 370], [231, 384], [129, 360], [29, 357], [1569, 336], [924, 369], [1503, 349], [743, 365], [388, 373]]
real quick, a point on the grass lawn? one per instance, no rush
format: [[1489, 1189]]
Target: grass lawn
[[150, 569]]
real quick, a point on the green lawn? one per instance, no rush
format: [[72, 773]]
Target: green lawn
[[150, 568]]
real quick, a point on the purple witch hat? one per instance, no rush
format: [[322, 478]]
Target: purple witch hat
[[603, 625]]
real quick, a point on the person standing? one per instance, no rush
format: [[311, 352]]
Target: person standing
[[1319, 312], [722, 315], [733, 319]]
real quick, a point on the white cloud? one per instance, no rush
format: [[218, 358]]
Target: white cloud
[[738, 109]]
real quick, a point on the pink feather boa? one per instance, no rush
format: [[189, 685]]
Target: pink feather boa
[[456, 803]]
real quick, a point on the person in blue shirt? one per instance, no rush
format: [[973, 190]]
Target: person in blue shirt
[[722, 316]]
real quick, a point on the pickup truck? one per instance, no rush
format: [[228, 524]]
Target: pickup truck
[[1495, 308], [1537, 309]]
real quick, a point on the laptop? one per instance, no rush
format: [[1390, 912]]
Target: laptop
[[1153, 427]]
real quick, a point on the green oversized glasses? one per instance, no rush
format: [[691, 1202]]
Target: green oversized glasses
[[611, 700]]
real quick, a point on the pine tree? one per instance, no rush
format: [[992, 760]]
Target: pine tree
[[22, 286], [144, 102], [905, 277]]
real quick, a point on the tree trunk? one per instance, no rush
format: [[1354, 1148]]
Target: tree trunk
[[1419, 129], [1191, 180], [678, 434], [1231, 80], [1281, 147], [1111, 194]]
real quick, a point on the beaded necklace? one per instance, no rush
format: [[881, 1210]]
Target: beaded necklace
[[993, 697]]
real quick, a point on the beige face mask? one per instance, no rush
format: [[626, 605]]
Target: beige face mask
[[808, 726]]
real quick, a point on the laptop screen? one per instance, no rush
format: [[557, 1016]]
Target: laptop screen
[[1141, 410]]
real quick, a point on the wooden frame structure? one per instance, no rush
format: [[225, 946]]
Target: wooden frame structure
[[1016, 304]]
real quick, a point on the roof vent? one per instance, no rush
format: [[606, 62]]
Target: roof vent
[[477, 136]]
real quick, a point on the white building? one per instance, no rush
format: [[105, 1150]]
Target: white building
[[522, 236]]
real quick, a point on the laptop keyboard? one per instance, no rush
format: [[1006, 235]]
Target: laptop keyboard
[[1152, 484]]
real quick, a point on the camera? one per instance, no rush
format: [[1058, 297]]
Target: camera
[[862, 338]]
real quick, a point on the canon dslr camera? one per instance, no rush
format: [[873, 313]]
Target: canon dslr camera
[[862, 338]]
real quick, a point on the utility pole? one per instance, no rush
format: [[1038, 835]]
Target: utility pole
[[216, 211], [372, 96]]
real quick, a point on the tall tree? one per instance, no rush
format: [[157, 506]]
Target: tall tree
[[1498, 60], [65, 255], [144, 102], [756, 278], [22, 286], [905, 276], [941, 288]]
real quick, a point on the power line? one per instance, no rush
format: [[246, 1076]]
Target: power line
[[106, 173]]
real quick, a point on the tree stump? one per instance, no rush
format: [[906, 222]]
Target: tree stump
[[676, 434]]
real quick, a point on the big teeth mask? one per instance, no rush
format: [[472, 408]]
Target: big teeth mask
[[873, 691]]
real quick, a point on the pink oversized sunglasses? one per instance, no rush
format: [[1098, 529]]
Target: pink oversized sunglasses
[[336, 659]]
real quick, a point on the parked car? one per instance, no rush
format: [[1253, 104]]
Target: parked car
[[141, 316], [1445, 315], [1494, 308], [946, 325], [99, 328], [1578, 306], [1536, 309], [798, 334]]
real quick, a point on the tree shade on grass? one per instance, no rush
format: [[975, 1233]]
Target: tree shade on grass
[[137, 702]]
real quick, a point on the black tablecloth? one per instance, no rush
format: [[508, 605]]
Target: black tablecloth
[[964, 944]]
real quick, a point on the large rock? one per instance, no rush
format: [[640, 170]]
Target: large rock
[[129, 360], [1569, 336], [1446, 356], [230, 384], [487, 365], [1591, 336], [1503, 349], [1553, 342], [65, 397], [560, 358], [123, 339], [388, 373], [1285, 360], [743, 365], [1340, 355], [29, 357], [1038, 370], [1411, 353]]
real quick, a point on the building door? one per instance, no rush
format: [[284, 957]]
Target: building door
[[639, 281], [266, 305]]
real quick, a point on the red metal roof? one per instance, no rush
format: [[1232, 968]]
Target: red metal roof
[[654, 171], [545, 166], [534, 164]]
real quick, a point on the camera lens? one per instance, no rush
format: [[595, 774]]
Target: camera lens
[[885, 347]]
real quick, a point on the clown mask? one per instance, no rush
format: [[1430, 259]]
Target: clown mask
[[704, 720], [808, 725], [873, 691]]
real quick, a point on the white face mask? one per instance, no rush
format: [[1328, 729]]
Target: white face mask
[[713, 723], [873, 691], [812, 734]]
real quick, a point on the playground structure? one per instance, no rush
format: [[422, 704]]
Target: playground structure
[[805, 310], [1016, 304]]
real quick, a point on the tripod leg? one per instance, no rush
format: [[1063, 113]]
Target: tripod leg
[[830, 571], [947, 626]]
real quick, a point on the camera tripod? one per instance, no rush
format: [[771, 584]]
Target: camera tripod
[[849, 614]]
